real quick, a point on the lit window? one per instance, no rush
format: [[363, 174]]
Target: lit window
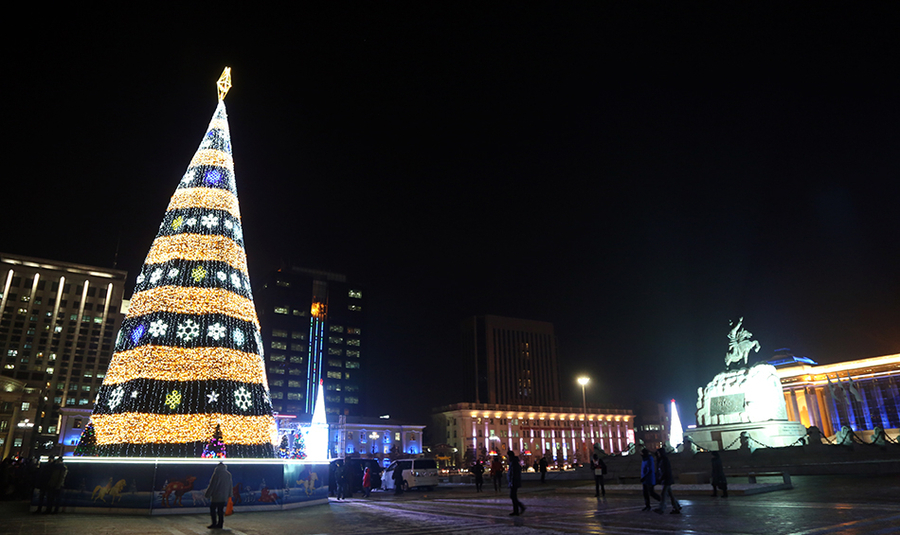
[[277, 395], [12, 352], [295, 384], [57, 329], [334, 363], [276, 371], [295, 371], [297, 335], [336, 328], [86, 388], [98, 319], [354, 330], [298, 347], [352, 353], [284, 284], [298, 312], [335, 340], [362, 435], [335, 351], [83, 402], [296, 359], [355, 308], [353, 342], [352, 364], [282, 310], [350, 388], [296, 396], [278, 333], [334, 375], [333, 398], [276, 358], [25, 406], [355, 294], [278, 382], [279, 345], [350, 400]]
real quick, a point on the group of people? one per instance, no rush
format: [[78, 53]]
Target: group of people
[[660, 473], [342, 479]]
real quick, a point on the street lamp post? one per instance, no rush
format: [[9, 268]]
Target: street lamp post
[[583, 381]]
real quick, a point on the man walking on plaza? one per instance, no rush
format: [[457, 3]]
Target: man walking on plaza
[[219, 490], [515, 481], [718, 476], [667, 480], [542, 465], [496, 472], [599, 469], [648, 478]]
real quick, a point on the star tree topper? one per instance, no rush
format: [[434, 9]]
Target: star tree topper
[[224, 83]]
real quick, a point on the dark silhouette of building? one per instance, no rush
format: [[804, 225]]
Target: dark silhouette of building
[[651, 424], [510, 361], [313, 333]]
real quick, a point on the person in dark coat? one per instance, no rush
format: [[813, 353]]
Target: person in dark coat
[[340, 476], [542, 465], [515, 481], [648, 478], [599, 469], [496, 472], [718, 476], [477, 470], [43, 483], [398, 479], [55, 484], [664, 471], [219, 490]]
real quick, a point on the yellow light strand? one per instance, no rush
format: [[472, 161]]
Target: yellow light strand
[[197, 247], [146, 428], [163, 363], [186, 300], [209, 198], [212, 157]]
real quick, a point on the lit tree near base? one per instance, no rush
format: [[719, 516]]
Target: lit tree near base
[[215, 448], [188, 358], [298, 450], [87, 444]]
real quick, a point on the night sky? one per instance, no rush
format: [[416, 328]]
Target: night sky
[[637, 178]]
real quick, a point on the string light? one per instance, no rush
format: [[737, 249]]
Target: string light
[[188, 358]]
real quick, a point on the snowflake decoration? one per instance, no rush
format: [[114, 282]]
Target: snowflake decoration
[[116, 397], [156, 275], [188, 176], [212, 397], [235, 280], [177, 222], [137, 333], [238, 336], [221, 276], [198, 273], [191, 222], [173, 273], [228, 224], [158, 328], [238, 233], [242, 399], [188, 330], [140, 278], [209, 221], [173, 399], [216, 331]]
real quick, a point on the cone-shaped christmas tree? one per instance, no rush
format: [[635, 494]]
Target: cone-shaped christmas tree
[[189, 355]]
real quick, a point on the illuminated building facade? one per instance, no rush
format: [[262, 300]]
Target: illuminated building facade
[[510, 361], [558, 433], [862, 394], [57, 332], [313, 328], [375, 438]]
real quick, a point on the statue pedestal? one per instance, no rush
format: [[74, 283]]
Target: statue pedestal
[[774, 434]]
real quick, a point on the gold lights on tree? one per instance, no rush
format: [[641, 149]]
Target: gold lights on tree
[[224, 83]]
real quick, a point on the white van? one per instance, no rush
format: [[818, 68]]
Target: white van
[[417, 473]]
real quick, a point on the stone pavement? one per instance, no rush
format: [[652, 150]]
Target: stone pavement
[[817, 505]]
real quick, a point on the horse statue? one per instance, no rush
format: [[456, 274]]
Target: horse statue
[[739, 344]]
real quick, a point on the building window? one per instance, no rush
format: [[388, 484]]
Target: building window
[[296, 371], [335, 351], [283, 284], [298, 312], [298, 347], [295, 396], [297, 335], [83, 402], [296, 359], [351, 388], [353, 342], [362, 436], [281, 310], [336, 328], [355, 308], [277, 395], [333, 398], [276, 371], [279, 345], [335, 363], [295, 384], [351, 364], [25, 406], [355, 294], [278, 333], [354, 330], [351, 400], [334, 375], [277, 382], [276, 358], [335, 340], [352, 353]]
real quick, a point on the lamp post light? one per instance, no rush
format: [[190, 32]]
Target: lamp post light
[[583, 381]]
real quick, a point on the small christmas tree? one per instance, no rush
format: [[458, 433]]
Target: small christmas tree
[[283, 449], [214, 447], [87, 444], [298, 451]]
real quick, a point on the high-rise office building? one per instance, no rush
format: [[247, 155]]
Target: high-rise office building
[[57, 332], [510, 361], [313, 330]]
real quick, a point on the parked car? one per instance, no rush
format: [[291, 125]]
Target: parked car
[[417, 473], [354, 470]]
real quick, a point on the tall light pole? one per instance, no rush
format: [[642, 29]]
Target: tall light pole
[[583, 381]]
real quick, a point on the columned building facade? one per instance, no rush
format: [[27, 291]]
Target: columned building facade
[[560, 434], [862, 394]]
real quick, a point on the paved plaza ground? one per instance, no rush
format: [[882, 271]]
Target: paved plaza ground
[[817, 505]]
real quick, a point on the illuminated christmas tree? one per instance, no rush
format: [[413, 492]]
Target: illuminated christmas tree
[[298, 450], [283, 450], [87, 444], [188, 359], [215, 448]]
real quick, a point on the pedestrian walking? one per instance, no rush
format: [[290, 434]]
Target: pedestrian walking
[[496, 472], [398, 479], [599, 469], [55, 485], [543, 467], [664, 471], [477, 470], [718, 476], [515, 481], [219, 490], [648, 478], [367, 483], [43, 483], [340, 476]]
